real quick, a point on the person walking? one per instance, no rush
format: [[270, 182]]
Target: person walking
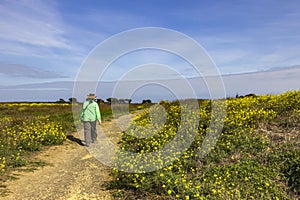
[[90, 115]]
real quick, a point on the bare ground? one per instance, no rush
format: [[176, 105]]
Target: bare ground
[[71, 172]]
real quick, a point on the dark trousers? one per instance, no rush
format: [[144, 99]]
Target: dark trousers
[[90, 132]]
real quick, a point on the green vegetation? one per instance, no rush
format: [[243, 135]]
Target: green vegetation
[[257, 155], [27, 127]]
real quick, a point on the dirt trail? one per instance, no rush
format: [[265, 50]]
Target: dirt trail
[[71, 172]]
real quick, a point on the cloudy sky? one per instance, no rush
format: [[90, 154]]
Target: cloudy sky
[[44, 42]]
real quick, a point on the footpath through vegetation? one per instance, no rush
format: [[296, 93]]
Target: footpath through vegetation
[[42, 156]]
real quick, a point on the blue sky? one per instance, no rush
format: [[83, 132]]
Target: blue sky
[[46, 41]]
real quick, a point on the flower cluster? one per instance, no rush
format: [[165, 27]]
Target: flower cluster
[[239, 165], [27, 129], [38, 104], [31, 134]]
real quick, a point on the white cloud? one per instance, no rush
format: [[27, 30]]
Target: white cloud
[[145, 46], [32, 23], [17, 70], [268, 82], [59, 35]]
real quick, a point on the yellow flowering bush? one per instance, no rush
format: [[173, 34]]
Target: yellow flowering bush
[[32, 134], [2, 164], [27, 127], [245, 162]]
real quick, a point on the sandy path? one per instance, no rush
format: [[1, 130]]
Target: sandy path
[[72, 172]]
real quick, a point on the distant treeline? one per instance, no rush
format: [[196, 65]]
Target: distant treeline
[[108, 100]]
